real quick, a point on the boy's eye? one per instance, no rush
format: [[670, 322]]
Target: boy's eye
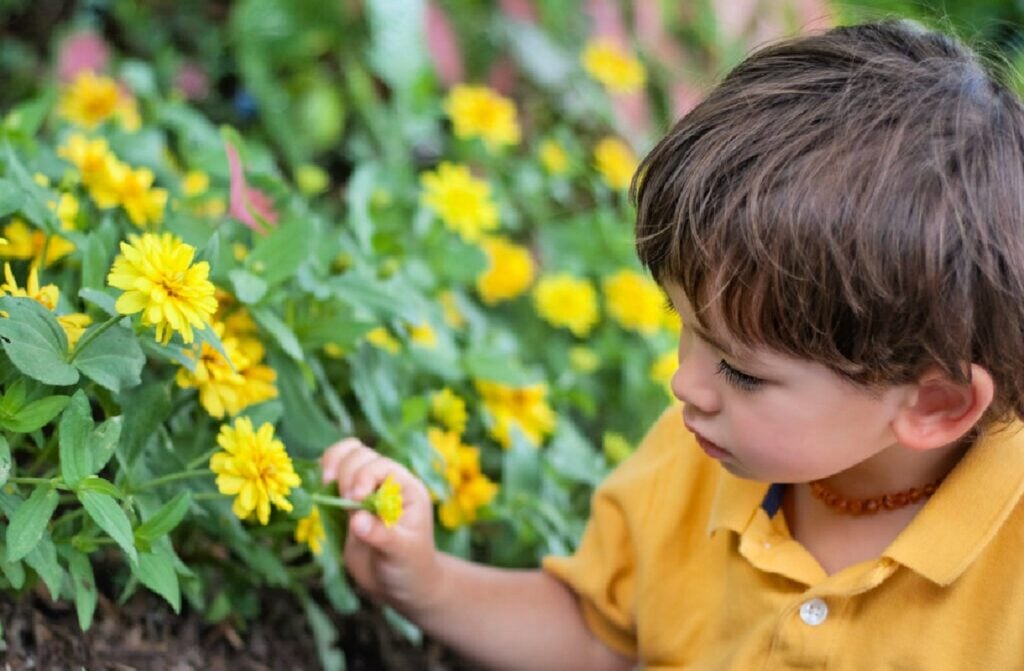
[[669, 308], [738, 378]]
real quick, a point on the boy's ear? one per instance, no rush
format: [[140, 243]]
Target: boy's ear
[[940, 411]]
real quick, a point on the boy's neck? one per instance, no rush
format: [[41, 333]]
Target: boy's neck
[[838, 540]]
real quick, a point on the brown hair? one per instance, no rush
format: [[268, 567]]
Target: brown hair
[[855, 198]]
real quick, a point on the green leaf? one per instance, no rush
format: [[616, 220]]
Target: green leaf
[[155, 569], [276, 257], [144, 408], [165, 519], [29, 522], [95, 262], [14, 572], [520, 468], [35, 342], [103, 442], [280, 331], [75, 427], [14, 397], [249, 288], [36, 414], [101, 299], [43, 560], [113, 360], [10, 198], [27, 117], [6, 463], [34, 197], [306, 427], [94, 483], [325, 636], [108, 515], [84, 583]]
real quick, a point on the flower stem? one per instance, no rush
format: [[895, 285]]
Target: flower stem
[[173, 477], [36, 481], [88, 338], [336, 502], [202, 458]]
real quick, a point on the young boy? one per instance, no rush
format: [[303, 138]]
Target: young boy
[[841, 226]]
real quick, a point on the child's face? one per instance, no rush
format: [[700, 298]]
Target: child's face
[[771, 417]]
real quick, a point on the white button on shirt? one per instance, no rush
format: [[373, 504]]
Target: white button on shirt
[[814, 612]]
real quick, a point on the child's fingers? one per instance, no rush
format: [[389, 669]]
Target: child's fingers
[[333, 455]]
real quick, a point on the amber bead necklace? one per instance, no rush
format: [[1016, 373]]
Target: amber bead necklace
[[872, 505]]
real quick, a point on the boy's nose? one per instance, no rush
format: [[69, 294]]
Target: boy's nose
[[693, 382]]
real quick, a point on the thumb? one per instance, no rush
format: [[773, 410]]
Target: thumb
[[371, 531]]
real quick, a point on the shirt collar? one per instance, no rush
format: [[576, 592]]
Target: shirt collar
[[967, 510], [736, 502]]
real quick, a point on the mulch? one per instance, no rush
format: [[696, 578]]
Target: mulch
[[144, 634]]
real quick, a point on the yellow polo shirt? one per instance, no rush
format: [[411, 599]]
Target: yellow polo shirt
[[684, 566]]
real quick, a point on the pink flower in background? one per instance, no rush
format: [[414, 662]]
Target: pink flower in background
[[192, 81], [80, 51], [520, 10], [503, 76], [443, 46], [247, 204]]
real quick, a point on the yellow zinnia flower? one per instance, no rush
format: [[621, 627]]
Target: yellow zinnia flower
[[553, 157], [568, 302], [634, 301], [195, 183], [615, 161], [255, 468], [423, 335], [386, 502], [509, 271], [615, 447], [160, 281], [477, 111], [90, 100], [525, 407], [469, 488], [96, 165], [74, 326], [453, 316], [133, 190], [46, 296], [616, 70], [67, 210], [32, 244], [223, 389], [663, 368], [462, 201], [583, 359], [310, 530], [379, 337], [449, 409]]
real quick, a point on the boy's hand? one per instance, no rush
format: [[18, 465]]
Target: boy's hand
[[398, 565]]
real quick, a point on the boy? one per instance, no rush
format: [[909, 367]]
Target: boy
[[841, 226]]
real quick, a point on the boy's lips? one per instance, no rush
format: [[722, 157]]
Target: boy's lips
[[713, 450]]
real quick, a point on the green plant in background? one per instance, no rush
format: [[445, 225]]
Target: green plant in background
[[259, 228]]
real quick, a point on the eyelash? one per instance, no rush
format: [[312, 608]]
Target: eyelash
[[737, 378]]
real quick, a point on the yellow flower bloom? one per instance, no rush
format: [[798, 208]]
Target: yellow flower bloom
[[31, 244], [160, 281], [615, 161], [453, 316], [254, 467], [525, 407], [380, 337], [616, 70], [470, 489], [615, 447], [477, 111], [423, 335], [67, 210], [195, 183], [553, 157], [41, 179], [74, 326], [462, 201], [634, 301], [46, 296], [310, 530], [583, 359], [671, 321], [133, 190], [90, 100], [566, 301], [223, 390], [386, 502], [449, 409], [95, 163], [663, 368], [509, 270], [312, 179]]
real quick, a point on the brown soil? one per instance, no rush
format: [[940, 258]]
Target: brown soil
[[145, 635]]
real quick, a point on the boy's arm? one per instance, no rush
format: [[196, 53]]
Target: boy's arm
[[500, 618], [511, 619]]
